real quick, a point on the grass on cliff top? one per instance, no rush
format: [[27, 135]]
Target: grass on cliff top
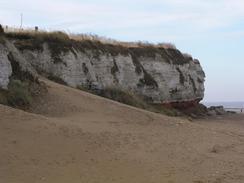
[[34, 40], [62, 36], [61, 42]]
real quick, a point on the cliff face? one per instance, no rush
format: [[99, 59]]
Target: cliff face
[[161, 75], [13, 64], [5, 67]]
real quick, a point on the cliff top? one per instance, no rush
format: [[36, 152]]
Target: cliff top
[[61, 41]]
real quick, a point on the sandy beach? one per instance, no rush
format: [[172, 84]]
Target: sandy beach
[[76, 137]]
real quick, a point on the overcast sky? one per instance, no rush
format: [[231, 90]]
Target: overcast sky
[[210, 30]]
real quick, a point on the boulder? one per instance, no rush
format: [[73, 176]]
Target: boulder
[[216, 110]]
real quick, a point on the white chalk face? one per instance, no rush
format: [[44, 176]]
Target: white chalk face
[[5, 68], [154, 77]]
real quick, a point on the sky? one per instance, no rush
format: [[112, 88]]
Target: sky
[[210, 30]]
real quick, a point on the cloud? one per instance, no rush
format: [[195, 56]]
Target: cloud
[[193, 16]]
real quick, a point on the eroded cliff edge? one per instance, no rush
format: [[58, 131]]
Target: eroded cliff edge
[[159, 74]]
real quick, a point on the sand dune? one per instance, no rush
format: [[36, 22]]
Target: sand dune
[[75, 137]]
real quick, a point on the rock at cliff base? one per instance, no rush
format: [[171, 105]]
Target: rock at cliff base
[[216, 110]]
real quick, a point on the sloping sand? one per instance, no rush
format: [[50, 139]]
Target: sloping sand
[[81, 138]]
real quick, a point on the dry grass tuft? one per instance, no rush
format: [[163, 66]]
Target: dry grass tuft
[[62, 35]]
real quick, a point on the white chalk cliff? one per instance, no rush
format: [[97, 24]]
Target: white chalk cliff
[[159, 74]]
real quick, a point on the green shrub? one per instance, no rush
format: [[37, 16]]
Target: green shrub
[[2, 40], [3, 97], [18, 94], [131, 99], [124, 97], [118, 95], [159, 108]]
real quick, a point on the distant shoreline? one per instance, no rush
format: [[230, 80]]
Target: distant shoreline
[[237, 107], [226, 105]]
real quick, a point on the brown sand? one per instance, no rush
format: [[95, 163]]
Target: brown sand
[[81, 138]]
